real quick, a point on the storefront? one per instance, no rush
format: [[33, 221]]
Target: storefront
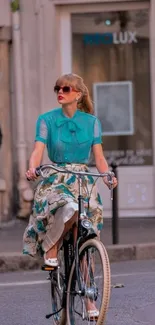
[[110, 46]]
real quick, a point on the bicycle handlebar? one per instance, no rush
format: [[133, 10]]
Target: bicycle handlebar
[[39, 172], [108, 174]]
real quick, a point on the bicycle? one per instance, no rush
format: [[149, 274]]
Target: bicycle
[[74, 282]]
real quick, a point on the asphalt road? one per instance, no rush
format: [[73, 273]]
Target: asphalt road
[[24, 297]]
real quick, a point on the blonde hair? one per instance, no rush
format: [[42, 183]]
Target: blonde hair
[[75, 81]]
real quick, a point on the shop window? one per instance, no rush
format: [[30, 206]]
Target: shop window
[[111, 52]]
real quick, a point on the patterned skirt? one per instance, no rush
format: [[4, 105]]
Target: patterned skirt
[[55, 202]]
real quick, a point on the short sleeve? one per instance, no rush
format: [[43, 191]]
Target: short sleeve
[[97, 136], [41, 130]]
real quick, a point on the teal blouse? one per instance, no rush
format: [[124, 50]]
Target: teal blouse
[[68, 140]]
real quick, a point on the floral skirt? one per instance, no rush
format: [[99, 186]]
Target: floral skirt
[[55, 202]]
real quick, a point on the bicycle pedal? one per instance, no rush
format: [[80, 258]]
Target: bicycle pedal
[[47, 268], [92, 319]]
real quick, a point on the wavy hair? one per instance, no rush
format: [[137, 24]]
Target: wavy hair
[[73, 80]]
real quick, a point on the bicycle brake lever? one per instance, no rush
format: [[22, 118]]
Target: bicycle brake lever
[[111, 190], [111, 184]]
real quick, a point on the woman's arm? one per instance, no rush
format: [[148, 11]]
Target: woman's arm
[[35, 159], [37, 154], [101, 163]]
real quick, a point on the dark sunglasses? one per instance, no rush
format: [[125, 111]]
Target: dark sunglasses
[[65, 89]]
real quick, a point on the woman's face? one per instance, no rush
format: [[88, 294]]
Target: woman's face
[[66, 94]]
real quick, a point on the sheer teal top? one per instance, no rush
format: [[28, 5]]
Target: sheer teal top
[[68, 140]]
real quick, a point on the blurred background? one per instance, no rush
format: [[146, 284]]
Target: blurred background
[[111, 44]]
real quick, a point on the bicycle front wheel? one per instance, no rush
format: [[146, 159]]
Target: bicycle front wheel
[[95, 277]]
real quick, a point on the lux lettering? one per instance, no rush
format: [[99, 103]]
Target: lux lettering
[[124, 37]]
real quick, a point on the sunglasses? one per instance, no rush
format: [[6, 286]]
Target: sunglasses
[[65, 89]]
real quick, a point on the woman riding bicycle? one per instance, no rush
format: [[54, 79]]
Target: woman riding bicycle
[[69, 133]]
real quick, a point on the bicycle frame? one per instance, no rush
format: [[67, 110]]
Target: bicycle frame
[[71, 248]]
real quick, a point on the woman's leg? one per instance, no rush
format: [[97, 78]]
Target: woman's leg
[[52, 252]]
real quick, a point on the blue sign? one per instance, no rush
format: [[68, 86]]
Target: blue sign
[[98, 39]]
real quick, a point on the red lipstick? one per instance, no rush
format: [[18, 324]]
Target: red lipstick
[[60, 97]]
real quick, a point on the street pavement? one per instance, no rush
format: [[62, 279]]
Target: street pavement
[[131, 231], [24, 296]]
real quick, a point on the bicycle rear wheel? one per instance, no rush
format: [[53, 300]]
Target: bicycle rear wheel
[[94, 270], [57, 293]]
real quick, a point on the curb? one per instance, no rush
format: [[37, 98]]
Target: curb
[[10, 262], [119, 253]]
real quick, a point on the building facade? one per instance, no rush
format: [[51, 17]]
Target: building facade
[[111, 44]]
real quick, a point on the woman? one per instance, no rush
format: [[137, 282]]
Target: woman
[[69, 133]]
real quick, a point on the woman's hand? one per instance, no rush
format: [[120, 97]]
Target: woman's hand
[[31, 174], [114, 182]]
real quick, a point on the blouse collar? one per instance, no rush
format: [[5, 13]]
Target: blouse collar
[[72, 122], [71, 126]]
